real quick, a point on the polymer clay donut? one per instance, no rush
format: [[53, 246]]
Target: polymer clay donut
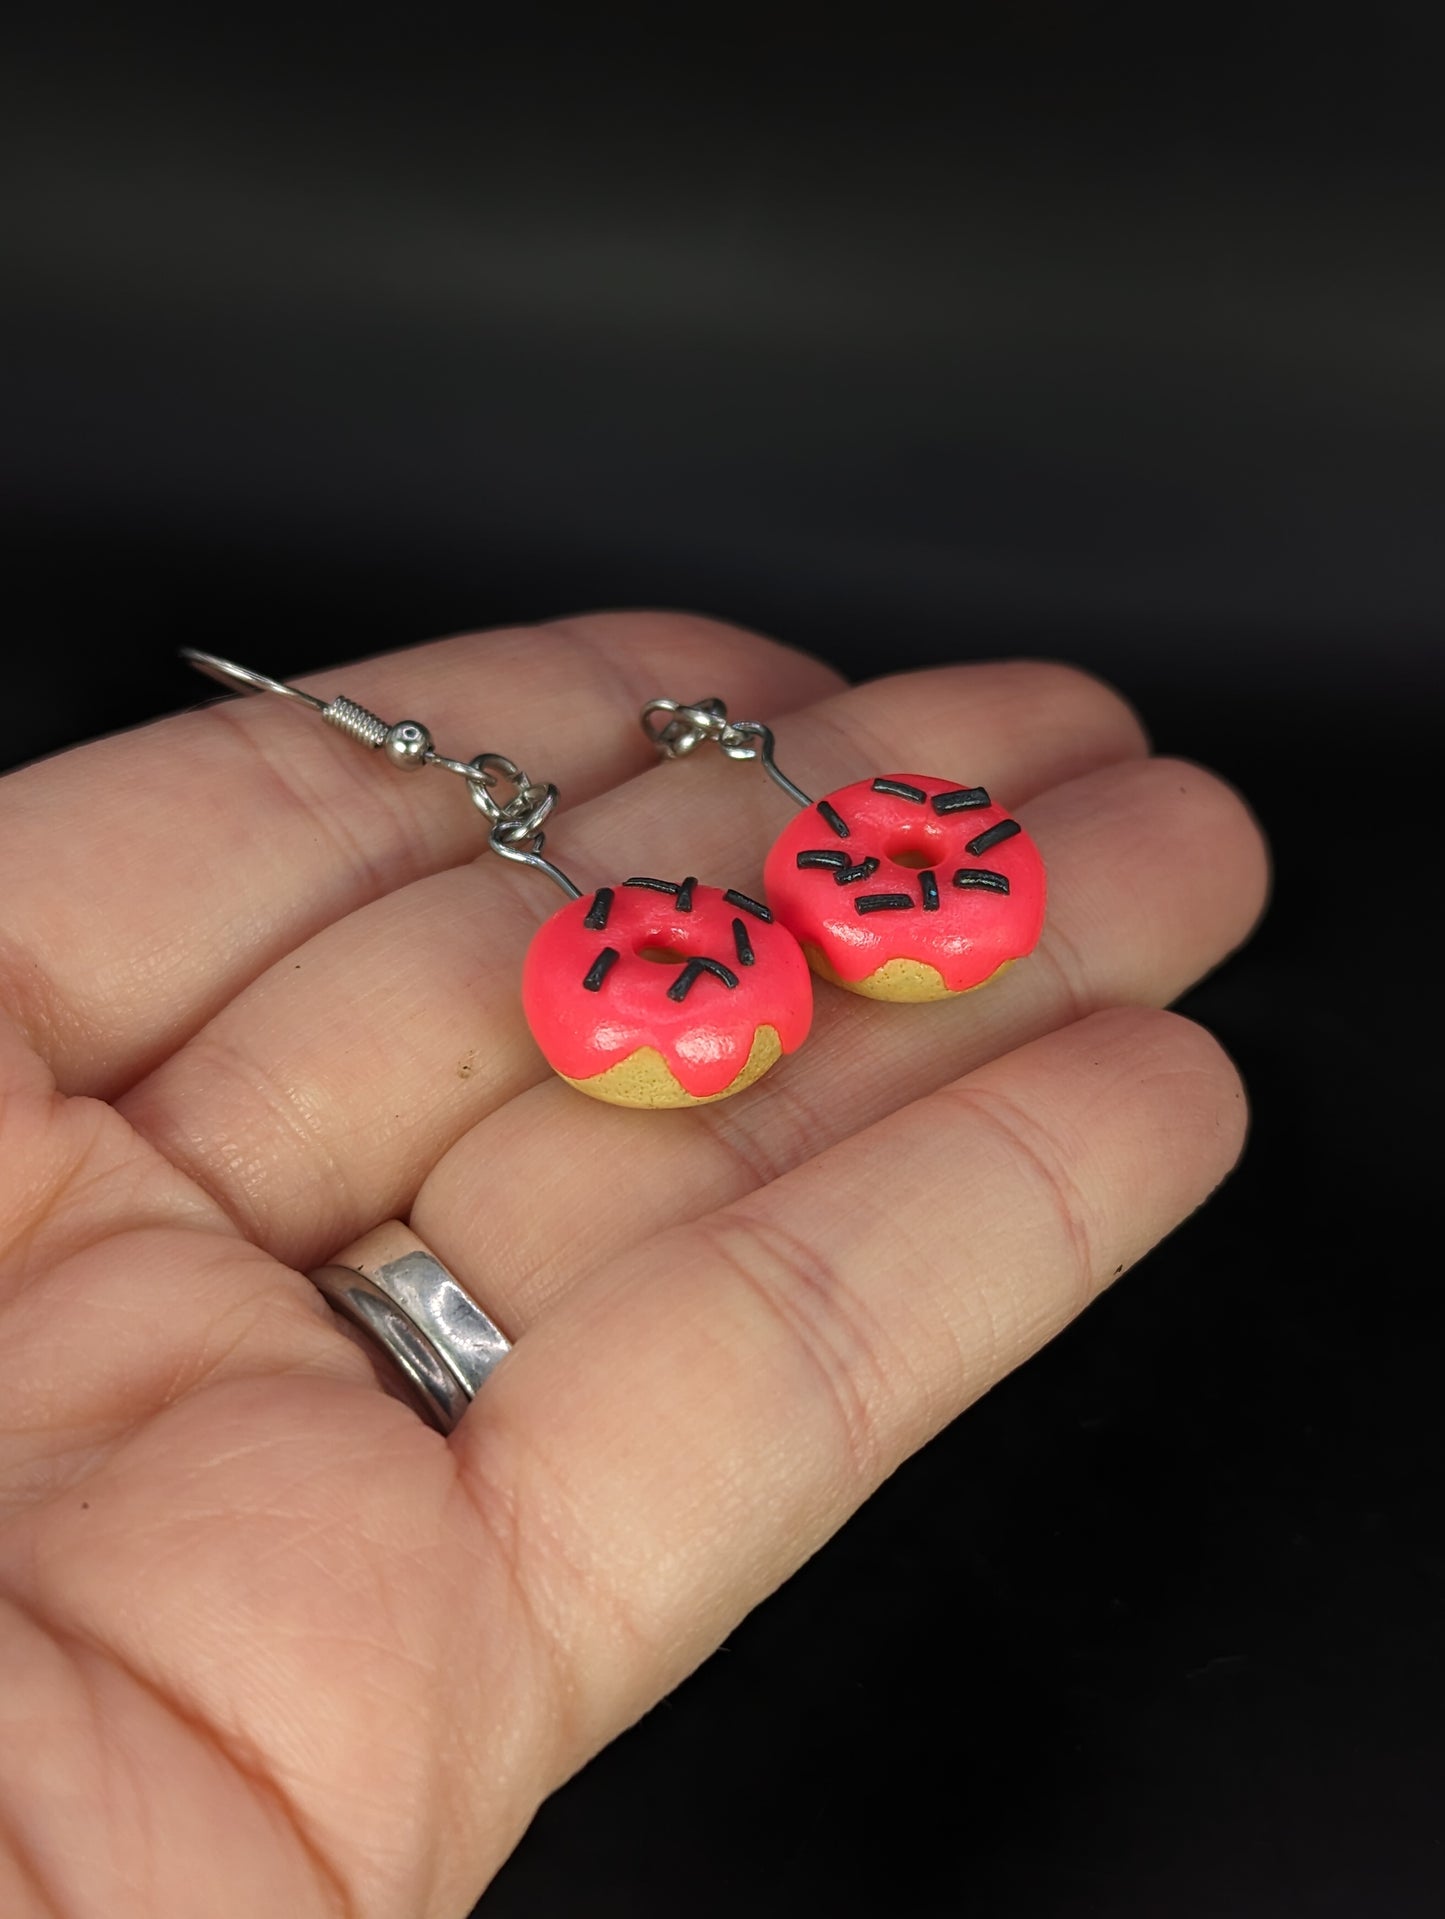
[[656, 994], [907, 887]]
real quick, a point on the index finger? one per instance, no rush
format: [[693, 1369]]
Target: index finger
[[149, 877]]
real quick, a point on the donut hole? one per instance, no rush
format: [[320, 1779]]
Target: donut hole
[[662, 955], [917, 854]]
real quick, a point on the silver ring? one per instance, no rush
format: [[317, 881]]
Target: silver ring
[[436, 1335]]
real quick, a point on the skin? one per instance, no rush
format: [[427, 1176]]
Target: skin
[[267, 1643]]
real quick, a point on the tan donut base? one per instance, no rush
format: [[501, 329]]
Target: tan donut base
[[644, 1079], [905, 981]]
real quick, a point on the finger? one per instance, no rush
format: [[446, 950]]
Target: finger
[[666, 1448], [1157, 871], [119, 1325], [74, 1173], [315, 1103], [148, 877], [253, 1560]]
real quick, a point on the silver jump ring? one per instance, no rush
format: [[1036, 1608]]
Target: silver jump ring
[[483, 773], [530, 802], [521, 817], [685, 727], [435, 1334]]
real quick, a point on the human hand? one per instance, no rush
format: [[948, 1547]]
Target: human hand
[[268, 1642]]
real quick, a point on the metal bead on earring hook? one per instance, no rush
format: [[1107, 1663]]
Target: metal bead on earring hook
[[408, 744]]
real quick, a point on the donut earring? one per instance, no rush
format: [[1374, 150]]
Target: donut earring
[[650, 993], [903, 887]]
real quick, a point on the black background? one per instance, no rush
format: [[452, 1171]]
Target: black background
[[1117, 338]]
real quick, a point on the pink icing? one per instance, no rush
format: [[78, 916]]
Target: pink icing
[[706, 1037], [972, 933]]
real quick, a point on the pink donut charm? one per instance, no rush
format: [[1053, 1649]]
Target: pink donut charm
[[654, 994], [907, 887]]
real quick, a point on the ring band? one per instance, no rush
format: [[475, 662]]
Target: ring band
[[436, 1335]]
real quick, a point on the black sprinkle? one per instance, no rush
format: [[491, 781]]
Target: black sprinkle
[[684, 893], [596, 919], [834, 819], [600, 968], [883, 902], [742, 943], [902, 789], [1005, 830], [928, 885], [658, 886], [981, 877], [823, 858], [693, 972], [850, 875], [961, 799], [755, 907], [683, 984]]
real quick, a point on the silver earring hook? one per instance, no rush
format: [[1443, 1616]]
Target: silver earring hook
[[687, 726], [241, 678], [406, 744], [515, 824]]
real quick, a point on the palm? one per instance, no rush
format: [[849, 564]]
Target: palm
[[267, 1637]]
